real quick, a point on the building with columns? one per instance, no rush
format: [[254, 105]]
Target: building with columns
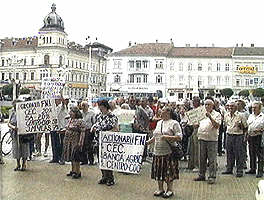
[[51, 54], [161, 69]]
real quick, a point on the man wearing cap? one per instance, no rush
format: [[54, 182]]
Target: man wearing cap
[[207, 137], [236, 126]]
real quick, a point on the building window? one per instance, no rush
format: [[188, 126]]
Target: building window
[[25, 61], [209, 67], [32, 61], [3, 76], [72, 63], [218, 80], [172, 65], [25, 76], [138, 79], [138, 64], [117, 63], [117, 79], [10, 76], [131, 78], [17, 76], [60, 61], [46, 60], [210, 80], [190, 67], [131, 63], [145, 78], [218, 67], [180, 67], [32, 76], [256, 81], [227, 67], [200, 81], [159, 79], [3, 62], [200, 67], [237, 82], [227, 80], [145, 64], [50, 39], [159, 64]]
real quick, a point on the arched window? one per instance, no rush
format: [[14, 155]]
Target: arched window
[[159, 79], [117, 79], [60, 61], [46, 60]]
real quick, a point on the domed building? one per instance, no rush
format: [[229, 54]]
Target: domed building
[[30, 60]]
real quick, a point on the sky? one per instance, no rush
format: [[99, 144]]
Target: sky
[[114, 23]]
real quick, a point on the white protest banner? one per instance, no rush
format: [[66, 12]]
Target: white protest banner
[[121, 151], [36, 116], [196, 115], [52, 87]]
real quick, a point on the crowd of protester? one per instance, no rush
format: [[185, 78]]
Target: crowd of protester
[[229, 127]]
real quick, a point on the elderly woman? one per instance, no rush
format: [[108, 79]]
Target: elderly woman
[[73, 141], [105, 121], [255, 131], [20, 150], [164, 168]]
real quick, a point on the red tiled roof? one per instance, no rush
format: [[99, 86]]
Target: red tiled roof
[[215, 52], [17, 43], [146, 49]]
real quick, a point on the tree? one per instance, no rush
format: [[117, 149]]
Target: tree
[[8, 90], [259, 92], [227, 92], [244, 93], [24, 91], [211, 92]]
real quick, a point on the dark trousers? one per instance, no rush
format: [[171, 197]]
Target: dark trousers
[[255, 151], [220, 139], [185, 141], [235, 152], [107, 175], [31, 147], [208, 151], [60, 148], [55, 145], [89, 150]]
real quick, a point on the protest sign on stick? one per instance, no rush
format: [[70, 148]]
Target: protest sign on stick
[[52, 87], [196, 115], [121, 151], [36, 116]]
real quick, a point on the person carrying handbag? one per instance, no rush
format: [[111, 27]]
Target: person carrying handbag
[[164, 167]]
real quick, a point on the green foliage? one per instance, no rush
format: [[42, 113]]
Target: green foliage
[[24, 91], [259, 92], [5, 111], [244, 93], [7, 90], [211, 92], [227, 92]]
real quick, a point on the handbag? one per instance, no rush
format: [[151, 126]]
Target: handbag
[[177, 152]]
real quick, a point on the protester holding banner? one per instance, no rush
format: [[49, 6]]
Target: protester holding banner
[[20, 150], [105, 121], [164, 168], [73, 141]]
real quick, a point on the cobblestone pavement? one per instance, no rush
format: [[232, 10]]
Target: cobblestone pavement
[[45, 181]]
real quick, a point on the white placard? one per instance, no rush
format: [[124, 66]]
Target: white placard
[[196, 115], [36, 116], [121, 151], [52, 87]]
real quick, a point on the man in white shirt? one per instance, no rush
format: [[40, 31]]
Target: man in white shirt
[[254, 137], [207, 137]]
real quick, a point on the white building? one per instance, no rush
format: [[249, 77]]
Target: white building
[[50, 54], [161, 68]]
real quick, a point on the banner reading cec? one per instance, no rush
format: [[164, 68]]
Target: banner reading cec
[[121, 151]]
